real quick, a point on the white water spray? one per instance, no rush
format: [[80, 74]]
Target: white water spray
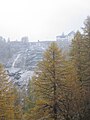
[[15, 60]]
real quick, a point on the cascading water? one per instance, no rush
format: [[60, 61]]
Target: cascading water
[[13, 64]]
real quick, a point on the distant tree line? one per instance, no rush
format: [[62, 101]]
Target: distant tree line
[[9, 48]]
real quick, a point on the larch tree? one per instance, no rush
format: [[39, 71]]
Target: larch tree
[[55, 88], [86, 37], [76, 54], [86, 73], [8, 98], [48, 82], [80, 55]]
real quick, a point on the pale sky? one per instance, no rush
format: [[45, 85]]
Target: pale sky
[[41, 19]]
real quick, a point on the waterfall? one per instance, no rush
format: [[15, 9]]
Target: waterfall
[[13, 64]]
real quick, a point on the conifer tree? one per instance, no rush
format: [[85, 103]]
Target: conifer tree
[[8, 98], [80, 54], [77, 54], [56, 88], [86, 73], [86, 37], [48, 81]]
